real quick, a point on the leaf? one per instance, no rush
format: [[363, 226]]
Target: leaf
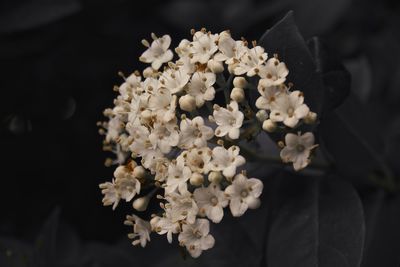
[[314, 222], [285, 39], [15, 253], [45, 245], [353, 138], [382, 244], [335, 77]]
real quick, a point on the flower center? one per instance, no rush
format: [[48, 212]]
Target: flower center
[[290, 111], [300, 148], [232, 121], [214, 201], [244, 193], [197, 234]]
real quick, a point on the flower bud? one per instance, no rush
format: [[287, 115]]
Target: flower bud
[[254, 203], [146, 114], [239, 82], [139, 172], [120, 172], [187, 103], [196, 179], [140, 204], [214, 177], [310, 118], [269, 126], [237, 94], [262, 115], [215, 66]]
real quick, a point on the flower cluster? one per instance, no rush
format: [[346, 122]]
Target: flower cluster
[[177, 130]]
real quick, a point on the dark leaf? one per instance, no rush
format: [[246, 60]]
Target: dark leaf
[[335, 77], [351, 135], [15, 253], [285, 39], [45, 245], [382, 244], [315, 222]]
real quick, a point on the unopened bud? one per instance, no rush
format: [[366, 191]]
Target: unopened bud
[[120, 172], [237, 94], [262, 115], [139, 172], [140, 204], [196, 179], [310, 118], [187, 103], [269, 126], [215, 66], [239, 82], [214, 177]]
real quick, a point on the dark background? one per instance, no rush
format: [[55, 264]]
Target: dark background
[[59, 61]]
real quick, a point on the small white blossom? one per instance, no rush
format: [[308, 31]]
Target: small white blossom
[[211, 201], [229, 120], [110, 192], [230, 50], [128, 187], [127, 89], [198, 159], [298, 148], [268, 95], [226, 160], [181, 206], [141, 230], [178, 175], [251, 61], [201, 87], [273, 73], [174, 79], [196, 238], [289, 109], [203, 47], [158, 53], [194, 133], [164, 136], [165, 225], [243, 194]]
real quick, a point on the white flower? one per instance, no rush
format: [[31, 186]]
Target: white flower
[[289, 109], [110, 192], [128, 187], [203, 47], [174, 79], [165, 225], [229, 120], [268, 95], [226, 160], [298, 148], [141, 230], [164, 136], [196, 238], [178, 175], [181, 206], [251, 61], [183, 49], [161, 169], [211, 201], [158, 53], [198, 159], [126, 89], [243, 194], [230, 50], [194, 133], [201, 87], [273, 72]]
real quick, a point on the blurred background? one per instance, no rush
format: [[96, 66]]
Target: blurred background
[[59, 62]]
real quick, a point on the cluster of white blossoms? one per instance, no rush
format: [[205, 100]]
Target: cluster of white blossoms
[[178, 128]]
